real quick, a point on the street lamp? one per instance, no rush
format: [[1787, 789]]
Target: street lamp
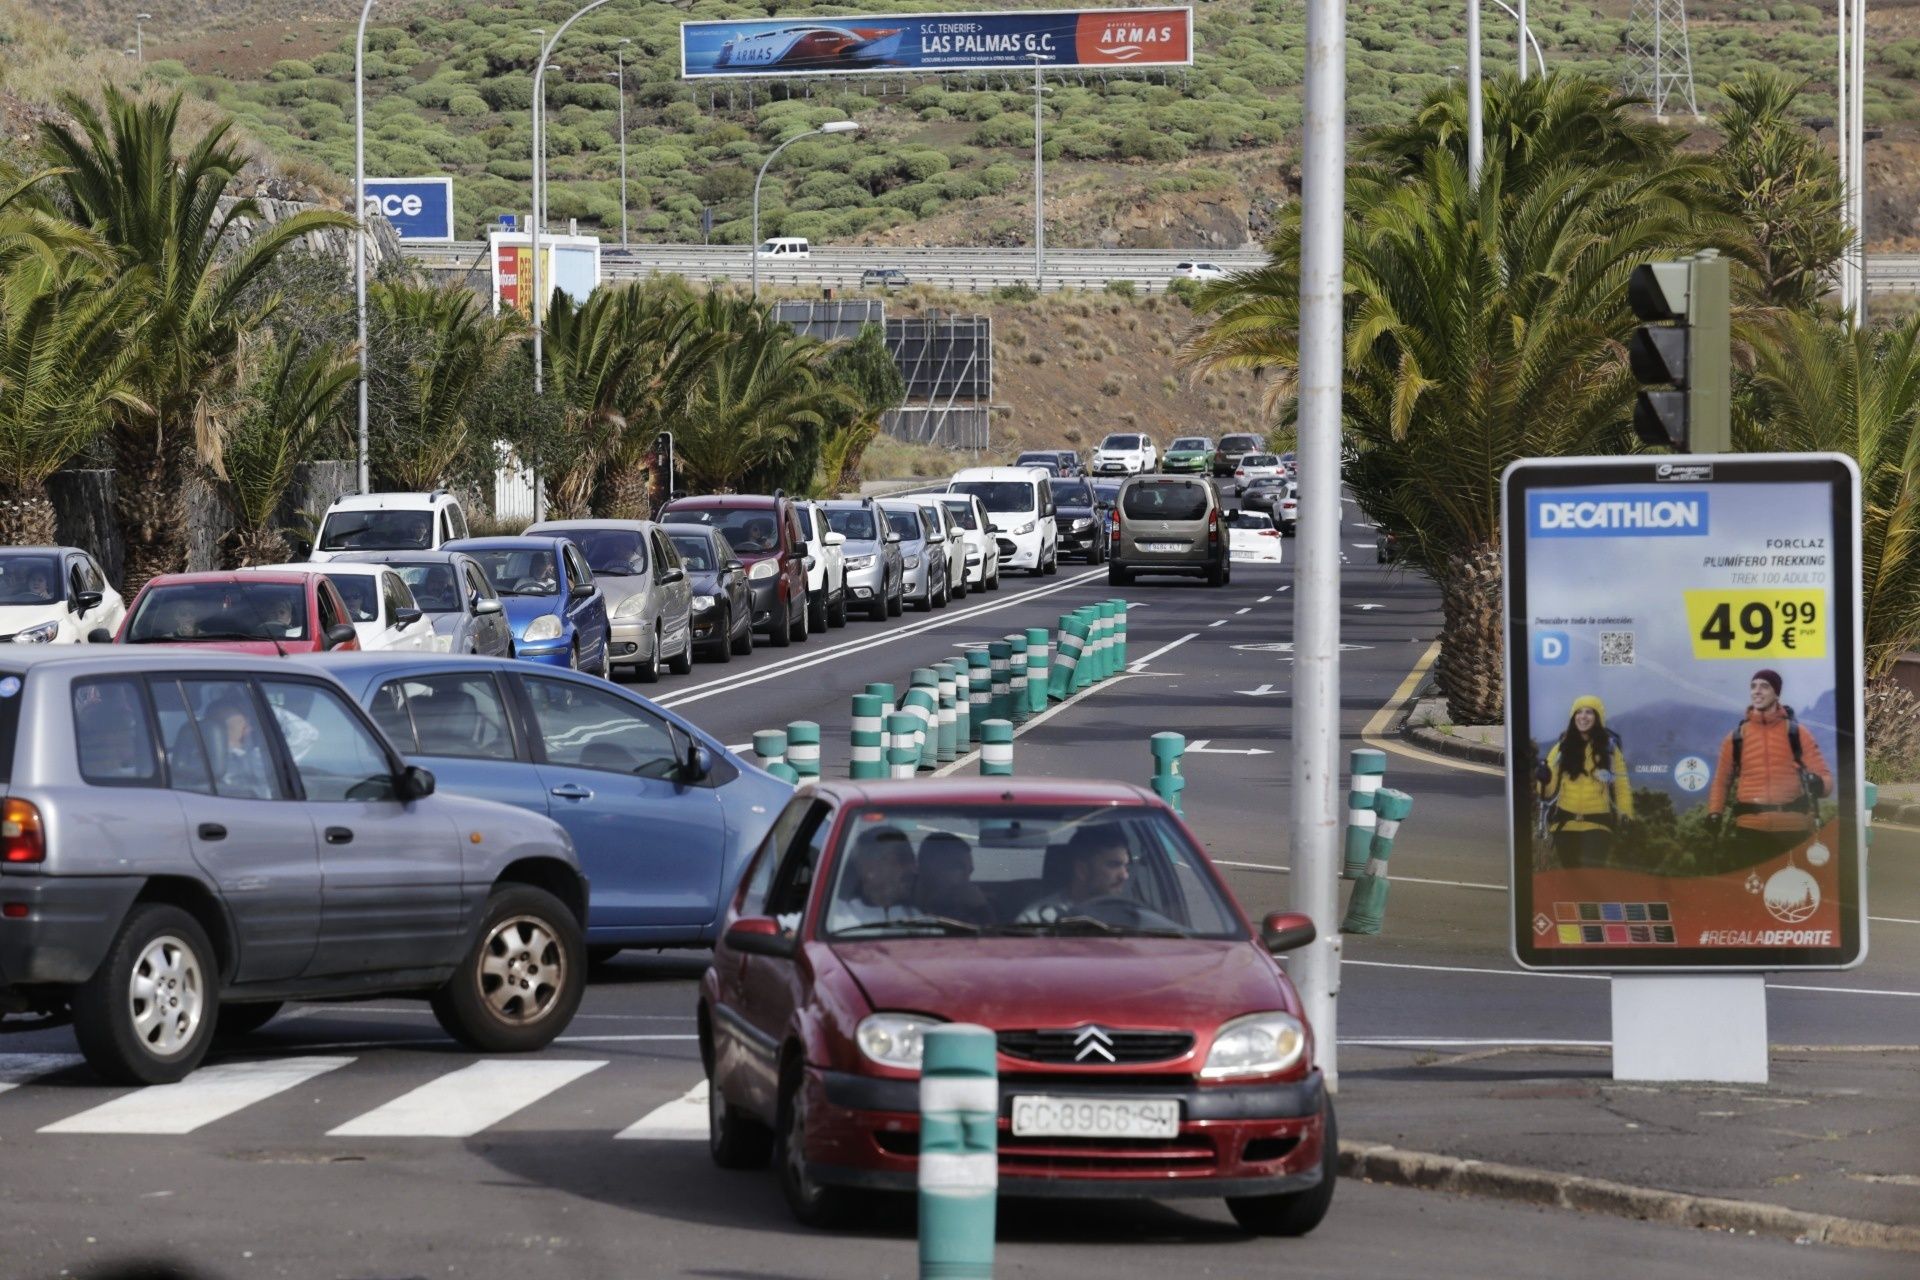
[[832, 126], [140, 37], [360, 230], [1040, 90], [540, 184], [620, 56]]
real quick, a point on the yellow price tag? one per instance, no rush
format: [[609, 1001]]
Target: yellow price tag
[[1758, 623]]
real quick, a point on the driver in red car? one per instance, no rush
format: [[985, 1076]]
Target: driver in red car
[[882, 882], [1098, 864]]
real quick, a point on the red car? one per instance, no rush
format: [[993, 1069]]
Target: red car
[[1150, 1046], [264, 613]]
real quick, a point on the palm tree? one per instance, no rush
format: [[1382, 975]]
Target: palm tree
[[677, 348], [1784, 187], [591, 350], [291, 404], [435, 351], [121, 173]]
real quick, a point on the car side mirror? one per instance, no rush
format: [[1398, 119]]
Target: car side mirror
[[99, 635], [406, 617], [835, 539], [338, 634], [734, 566], [761, 936], [580, 591], [85, 600], [485, 608], [414, 783], [892, 538], [697, 765], [1286, 931], [673, 575]]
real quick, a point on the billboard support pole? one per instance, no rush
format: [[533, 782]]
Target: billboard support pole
[[360, 228], [1039, 185], [1314, 824]]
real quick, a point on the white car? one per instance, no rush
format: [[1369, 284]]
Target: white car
[[1257, 466], [826, 569], [380, 605], [1251, 538], [1020, 512], [1199, 271], [54, 595], [1290, 510], [953, 540], [983, 549], [389, 522], [1125, 453]]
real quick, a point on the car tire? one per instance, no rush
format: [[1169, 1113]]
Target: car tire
[[734, 1139], [743, 643], [1294, 1213], [780, 630], [524, 933], [817, 612], [960, 587], [157, 944], [1053, 562], [1097, 553], [573, 657], [897, 603], [1118, 577], [683, 664], [993, 583], [1216, 575], [877, 609], [802, 622], [720, 650], [649, 671], [837, 609], [237, 1020], [811, 1204]]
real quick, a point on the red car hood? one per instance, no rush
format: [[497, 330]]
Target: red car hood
[[1017, 983]]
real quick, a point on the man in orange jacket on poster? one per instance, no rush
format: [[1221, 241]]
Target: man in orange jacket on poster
[[1771, 777]]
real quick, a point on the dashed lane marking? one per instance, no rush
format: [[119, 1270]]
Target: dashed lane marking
[[209, 1094], [682, 1120], [1238, 612], [462, 1103], [1263, 599], [1218, 622]]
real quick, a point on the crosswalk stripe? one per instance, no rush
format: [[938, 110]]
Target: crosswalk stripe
[[462, 1103], [17, 1069], [209, 1094], [682, 1120]]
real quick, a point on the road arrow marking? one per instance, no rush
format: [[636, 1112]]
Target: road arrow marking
[[1261, 692], [1364, 607], [1199, 747]]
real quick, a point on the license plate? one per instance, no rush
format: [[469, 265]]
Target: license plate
[[1044, 1117], [1163, 546]]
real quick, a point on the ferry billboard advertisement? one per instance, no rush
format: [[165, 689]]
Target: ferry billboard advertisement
[[937, 42], [1684, 761]]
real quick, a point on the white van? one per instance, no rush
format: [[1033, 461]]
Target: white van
[[389, 522], [785, 248], [1019, 503]]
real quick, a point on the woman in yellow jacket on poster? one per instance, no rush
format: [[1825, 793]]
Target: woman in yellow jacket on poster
[[1583, 784]]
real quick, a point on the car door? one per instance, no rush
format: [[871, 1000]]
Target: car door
[[253, 840], [456, 723], [672, 590], [652, 844], [397, 602], [391, 889]]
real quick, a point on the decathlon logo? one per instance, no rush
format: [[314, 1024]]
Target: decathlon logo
[[1664, 515], [1091, 1041]]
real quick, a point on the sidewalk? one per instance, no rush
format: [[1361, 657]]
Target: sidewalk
[[1834, 1136]]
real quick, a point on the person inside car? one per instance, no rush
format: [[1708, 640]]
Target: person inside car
[[945, 884], [240, 766], [878, 885], [759, 536], [1098, 860]]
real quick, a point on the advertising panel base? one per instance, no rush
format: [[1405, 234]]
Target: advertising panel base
[[1673, 1026]]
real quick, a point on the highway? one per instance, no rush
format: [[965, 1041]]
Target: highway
[[357, 1140]]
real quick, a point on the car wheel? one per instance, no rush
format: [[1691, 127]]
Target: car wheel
[[837, 610], [743, 643], [573, 657], [817, 612], [606, 658], [1216, 575], [682, 664], [147, 1014], [802, 621], [734, 1140], [960, 587], [897, 602], [1053, 562], [1297, 1212], [993, 583], [812, 1204], [649, 671], [237, 1020], [521, 980], [1118, 577], [720, 650], [780, 632]]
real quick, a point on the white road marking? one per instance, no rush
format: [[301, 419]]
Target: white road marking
[[682, 1120], [1263, 599], [17, 1069], [1261, 692], [1219, 622], [739, 746], [1139, 664], [1238, 612], [462, 1103], [1199, 747], [209, 1094], [1363, 546]]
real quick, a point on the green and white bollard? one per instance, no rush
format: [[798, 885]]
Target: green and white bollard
[[1167, 781], [1367, 769], [996, 749], [959, 1176], [803, 749], [769, 747], [980, 689], [1061, 674], [1367, 906], [943, 750], [923, 704], [884, 692], [1017, 677], [869, 738], [1000, 655], [1109, 639], [903, 753], [962, 706], [1120, 636], [1037, 671], [1088, 672]]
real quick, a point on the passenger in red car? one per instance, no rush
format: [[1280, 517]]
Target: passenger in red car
[[1099, 861], [945, 886]]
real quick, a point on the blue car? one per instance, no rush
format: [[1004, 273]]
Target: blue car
[[557, 614], [662, 815]]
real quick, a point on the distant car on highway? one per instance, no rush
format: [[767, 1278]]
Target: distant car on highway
[[722, 607], [553, 605], [192, 838], [54, 595], [1277, 498], [1081, 519], [1189, 454], [1019, 502], [649, 601], [876, 569], [785, 249], [1199, 271], [379, 604], [272, 614], [389, 522], [1387, 548], [1045, 459], [1169, 524], [460, 603], [1232, 448], [1252, 537], [1150, 1044], [925, 583], [1125, 453], [884, 278], [1258, 466]]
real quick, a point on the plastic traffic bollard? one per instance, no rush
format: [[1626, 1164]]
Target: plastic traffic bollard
[[803, 749], [903, 752], [1367, 906], [980, 688], [962, 706], [1000, 655], [769, 747], [1120, 635], [869, 738], [1368, 769], [923, 703], [1066, 660], [1167, 781], [959, 1170], [1088, 672], [1110, 639], [884, 692], [996, 749], [1017, 677], [948, 726], [1038, 673]]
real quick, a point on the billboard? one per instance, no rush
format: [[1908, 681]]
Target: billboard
[[568, 263], [418, 208], [937, 42], [1684, 761]]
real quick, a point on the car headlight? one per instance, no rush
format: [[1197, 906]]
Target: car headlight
[[42, 634], [1260, 1044], [1084, 522], [544, 627], [702, 603], [632, 607], [1020, 530], [893, 1039], [762, 570], [859, 562], [913, 562]]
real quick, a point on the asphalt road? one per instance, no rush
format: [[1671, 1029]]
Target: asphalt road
[[355, 1140]]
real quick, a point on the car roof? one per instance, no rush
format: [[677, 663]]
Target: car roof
[[118, 658], [1000, 473], [231, 577], [985, 791], [845, 504], [672, 527], [509, 542], [555, 526], [721, 501], [42, 551], [356, 568], [391, 501], [392, 557]]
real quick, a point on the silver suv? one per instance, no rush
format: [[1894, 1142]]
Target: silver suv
[[189, 840]]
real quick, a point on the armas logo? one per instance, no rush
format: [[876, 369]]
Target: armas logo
[[1127, 41]]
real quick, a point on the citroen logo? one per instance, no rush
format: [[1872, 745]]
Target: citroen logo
[[1091, 1040]]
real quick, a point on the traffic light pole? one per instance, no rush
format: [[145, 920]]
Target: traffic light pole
[[1710, 359]]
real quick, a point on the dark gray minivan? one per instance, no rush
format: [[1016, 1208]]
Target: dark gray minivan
[[1169, 524]]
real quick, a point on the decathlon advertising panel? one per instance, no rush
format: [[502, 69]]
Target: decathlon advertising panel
[[418, 208], [937, 42], [1683, 712]]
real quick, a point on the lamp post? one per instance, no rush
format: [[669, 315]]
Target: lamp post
[[540, 185], [1040, 90], [1474, 131], [140, 36], [360, 230], [620, 56], [832, 126]]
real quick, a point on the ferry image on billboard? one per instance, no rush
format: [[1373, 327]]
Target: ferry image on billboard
[[807, 48]]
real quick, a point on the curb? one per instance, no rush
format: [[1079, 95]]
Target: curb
[[1891, 812], [1441, 744], [1381, 1163]]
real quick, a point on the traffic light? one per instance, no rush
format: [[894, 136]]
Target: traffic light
[[1682, 354]]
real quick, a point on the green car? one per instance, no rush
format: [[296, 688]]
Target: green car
[[1189, 453]]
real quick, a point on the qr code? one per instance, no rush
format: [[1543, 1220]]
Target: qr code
[[1616, 648]]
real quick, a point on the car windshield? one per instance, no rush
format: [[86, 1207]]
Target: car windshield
[[962, 512], [905, 523], [998, 495], [220, 611], [1189, 444], [1230, 444], [1045, 461], [620, 553], [694, 551], [377, 531], [855, 524], [520, 573], [1265, 482], [1249, 520], [923, 871], [30, 580], [1071, 494], [435, 587], [361, 591], [1106, 491], [1120, 442], [1165, 500], [1259, 460], [752, 531]]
